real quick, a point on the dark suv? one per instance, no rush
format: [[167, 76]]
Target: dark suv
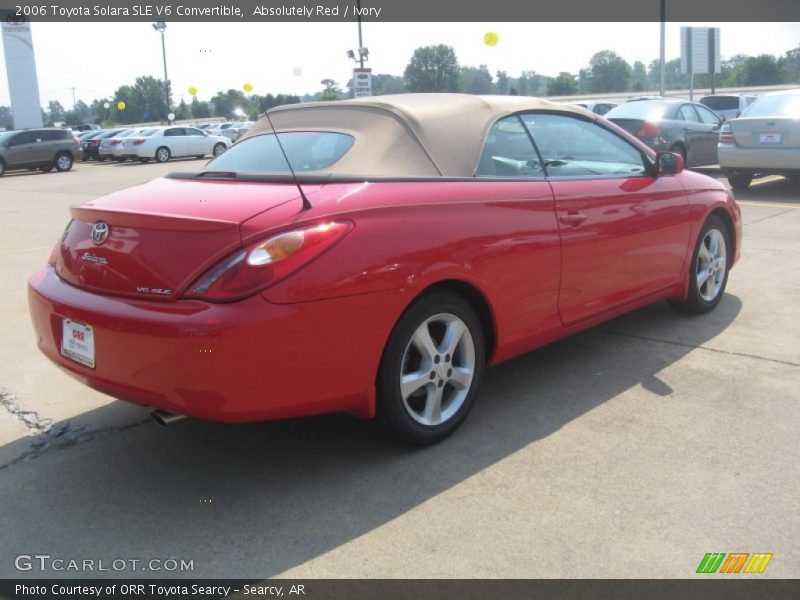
[[43, 149]]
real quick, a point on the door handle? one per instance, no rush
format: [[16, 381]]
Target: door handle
[[573, 219]]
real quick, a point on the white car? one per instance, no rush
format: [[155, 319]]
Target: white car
[[163, 143]]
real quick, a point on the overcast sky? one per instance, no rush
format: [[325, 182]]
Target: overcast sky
[[96, 58]]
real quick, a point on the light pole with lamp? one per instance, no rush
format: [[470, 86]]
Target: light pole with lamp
[[161, 26]]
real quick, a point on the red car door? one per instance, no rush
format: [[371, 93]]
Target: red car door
[[624, 233]]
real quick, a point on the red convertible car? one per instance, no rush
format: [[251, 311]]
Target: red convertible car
[[375, 256]]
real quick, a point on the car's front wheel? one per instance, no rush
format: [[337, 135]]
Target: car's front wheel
[[431, 368], [219, 149], [63, 162], [708, 274]]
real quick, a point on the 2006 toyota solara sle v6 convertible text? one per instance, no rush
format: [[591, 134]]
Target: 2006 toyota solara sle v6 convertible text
[[375, 256]]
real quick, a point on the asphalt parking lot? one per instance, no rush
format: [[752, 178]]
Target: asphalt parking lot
[[630, 450]]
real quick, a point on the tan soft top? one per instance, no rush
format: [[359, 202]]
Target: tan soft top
[[407, 135]]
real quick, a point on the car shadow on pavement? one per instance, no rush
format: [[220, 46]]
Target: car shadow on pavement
[[772, 190], [255, 500]]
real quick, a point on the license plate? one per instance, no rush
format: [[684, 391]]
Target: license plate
[[77, 342], [770, 138]]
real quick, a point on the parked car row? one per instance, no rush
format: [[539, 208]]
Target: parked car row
[[158, 143]]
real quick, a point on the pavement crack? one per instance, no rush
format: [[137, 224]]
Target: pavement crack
[[47, 437], [778, 214], [700, 347]]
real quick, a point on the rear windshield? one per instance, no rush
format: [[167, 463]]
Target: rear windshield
[[306, 150], [148, 132], [721, 102], [784, 105], [643, 109]]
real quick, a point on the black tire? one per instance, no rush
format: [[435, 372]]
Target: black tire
[[392, 409], [84, 158], [2, 167], [163, 154], [199, 156], [63, 162], [678, 149], [218, 149], [144, 161], [696, 303], [738, 181], [46, 168]]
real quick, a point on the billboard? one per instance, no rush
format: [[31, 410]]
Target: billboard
[[699, 49], [23, 86]]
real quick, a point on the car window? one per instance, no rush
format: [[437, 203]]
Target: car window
[[148, 132], [706, 116], [193, 131], [686, 113], [573, 147], [306, 150], [48, 135], [174, 131], [508, 152], [25, 137]]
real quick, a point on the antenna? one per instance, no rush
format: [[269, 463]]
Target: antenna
[[306, 203]]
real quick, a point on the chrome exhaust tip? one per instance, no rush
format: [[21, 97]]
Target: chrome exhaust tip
[[166, 418]]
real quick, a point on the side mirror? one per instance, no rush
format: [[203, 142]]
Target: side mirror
[[669, 163]]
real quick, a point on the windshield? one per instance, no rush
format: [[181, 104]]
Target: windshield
[[4, 137], [306, 151], [783, 105]]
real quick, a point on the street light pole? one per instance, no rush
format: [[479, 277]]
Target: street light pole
[[161, 26], [663, 47], [360, 41]]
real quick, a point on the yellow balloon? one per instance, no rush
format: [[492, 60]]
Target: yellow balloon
[[193, 91], [248, 87], [490, 38], [120, 105]]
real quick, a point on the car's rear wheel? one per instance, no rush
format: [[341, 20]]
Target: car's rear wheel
[[431, 368], [162, 154], [738, 181], [708, 273], [63, 162], [219, 149], [2, 167]]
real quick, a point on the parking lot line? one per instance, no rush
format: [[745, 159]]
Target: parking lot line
[[767, 204]]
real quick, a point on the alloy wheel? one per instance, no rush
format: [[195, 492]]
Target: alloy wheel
[[437, 369], [711, 265]]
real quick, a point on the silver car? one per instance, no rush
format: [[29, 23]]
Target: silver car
[[728, 106], [765, 140]]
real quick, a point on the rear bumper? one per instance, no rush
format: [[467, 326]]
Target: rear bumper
[[245, 361], [736, 157]]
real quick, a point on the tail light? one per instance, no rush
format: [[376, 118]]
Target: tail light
[[75, 140], [266, 262], [648, 129], [138, 142], [95, 143], [726, 134]]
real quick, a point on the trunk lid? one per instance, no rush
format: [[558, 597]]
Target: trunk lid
[[160, 236], [766, 132]]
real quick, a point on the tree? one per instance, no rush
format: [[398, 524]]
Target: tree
[[183, 112], [228, 104], [433, 69], [789, 65], [503, 84], [383, 83], [565, 84], [639, 81], [331, 91], [760, 70], [6, 120], [55, 112], [608, 72], [476, 81], [200, 109]]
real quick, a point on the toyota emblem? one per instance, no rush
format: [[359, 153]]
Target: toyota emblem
[[100, 232]]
